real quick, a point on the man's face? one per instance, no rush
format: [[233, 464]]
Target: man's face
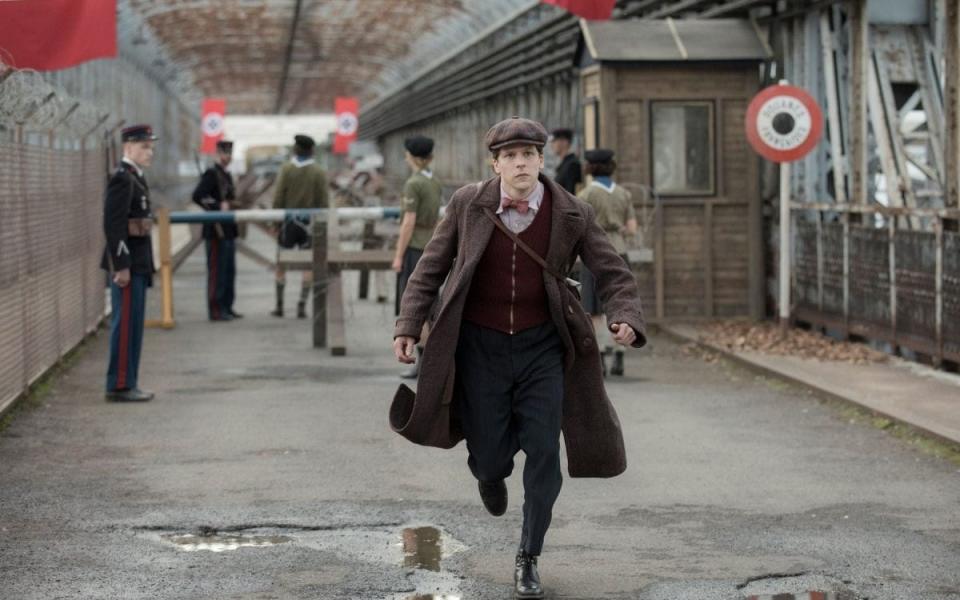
[[518, 166], [224, 157], [560, 146], [139, 152]]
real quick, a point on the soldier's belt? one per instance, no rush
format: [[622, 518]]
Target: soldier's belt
[[139, 227]]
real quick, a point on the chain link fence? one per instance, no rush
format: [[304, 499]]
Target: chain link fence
[[52, 169]]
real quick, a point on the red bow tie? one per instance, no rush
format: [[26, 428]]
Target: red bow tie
[[521, 206]]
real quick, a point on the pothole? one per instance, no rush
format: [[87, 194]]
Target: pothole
[[223, 542], [420, 549]]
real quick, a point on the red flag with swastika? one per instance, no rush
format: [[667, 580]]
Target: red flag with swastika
[[347, 123], [48, 35], [212, 114], [592, 10]]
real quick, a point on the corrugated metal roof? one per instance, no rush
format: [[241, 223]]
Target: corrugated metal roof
[[649, 40], [237, 49]]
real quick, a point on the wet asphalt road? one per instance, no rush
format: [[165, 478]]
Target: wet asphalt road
[[737, 485]]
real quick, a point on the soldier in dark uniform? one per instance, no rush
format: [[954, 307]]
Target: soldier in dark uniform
[[128, 258], [569, 175], [216, 192]]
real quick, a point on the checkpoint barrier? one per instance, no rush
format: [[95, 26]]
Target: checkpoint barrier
[[329, 329]]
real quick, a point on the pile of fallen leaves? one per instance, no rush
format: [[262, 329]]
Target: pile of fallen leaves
[[738, 335]]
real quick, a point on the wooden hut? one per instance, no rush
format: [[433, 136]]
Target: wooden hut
[[669, 97]]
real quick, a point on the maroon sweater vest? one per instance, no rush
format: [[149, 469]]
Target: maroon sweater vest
[[507, 292]]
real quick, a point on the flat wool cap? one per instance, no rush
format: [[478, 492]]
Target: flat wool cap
[[516, 130], [225, 146], [599, 155], [419, 146], [562, 133]]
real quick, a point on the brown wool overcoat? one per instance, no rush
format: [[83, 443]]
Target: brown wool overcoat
[[591, 429]]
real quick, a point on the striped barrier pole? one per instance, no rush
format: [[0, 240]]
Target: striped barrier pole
[[272, 215], [319, 215]]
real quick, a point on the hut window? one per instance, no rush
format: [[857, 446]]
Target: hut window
[[682, 149]]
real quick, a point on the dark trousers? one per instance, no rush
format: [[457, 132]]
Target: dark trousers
[[511, 387], [221, 276], [128, 305], [410, 259]]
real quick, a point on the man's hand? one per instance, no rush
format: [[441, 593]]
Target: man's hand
[[224, 205], [397, 264], [623, 334], [403, 349], [122, 277]]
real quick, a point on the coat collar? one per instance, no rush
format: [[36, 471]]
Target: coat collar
[[566, 228]]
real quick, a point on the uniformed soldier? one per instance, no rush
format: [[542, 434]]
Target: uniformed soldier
[[301, 184], [421, 208], [615, 215], [216, 192], [568, 171], [128, 258]]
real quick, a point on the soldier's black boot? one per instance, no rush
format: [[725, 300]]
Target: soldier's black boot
[[494, 496], [526, 578], [617, 368], [414, 371], [278, 311]]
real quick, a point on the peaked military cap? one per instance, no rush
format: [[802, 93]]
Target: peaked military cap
[[137, 133], [599, 155], [419, 145], [516, 130], [562, 133], [304, 141], [225, 146]]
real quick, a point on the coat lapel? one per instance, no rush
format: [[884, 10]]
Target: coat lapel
[[566, 227]]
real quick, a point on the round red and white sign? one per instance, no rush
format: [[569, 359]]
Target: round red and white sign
[[783, 123], [347, 124], [212, 124]]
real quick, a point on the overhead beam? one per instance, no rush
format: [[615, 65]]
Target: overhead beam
[[288, 56]]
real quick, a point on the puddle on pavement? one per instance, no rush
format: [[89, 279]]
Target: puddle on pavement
[[422, 549], [223, 542], [805, 596]]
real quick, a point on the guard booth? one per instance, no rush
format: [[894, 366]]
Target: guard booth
[[670, 97]]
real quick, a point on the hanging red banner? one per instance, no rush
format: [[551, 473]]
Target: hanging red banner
[[213, 112], [348, 123], [48, 35]]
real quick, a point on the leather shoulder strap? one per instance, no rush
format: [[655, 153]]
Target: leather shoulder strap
[[516, 240]]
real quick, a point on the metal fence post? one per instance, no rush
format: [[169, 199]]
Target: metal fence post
[[938, 283]]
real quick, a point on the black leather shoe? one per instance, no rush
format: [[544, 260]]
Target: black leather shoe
[[301, 310], [235, 315], [277, 312], [494, 496], [526, 578], [134, 395]]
